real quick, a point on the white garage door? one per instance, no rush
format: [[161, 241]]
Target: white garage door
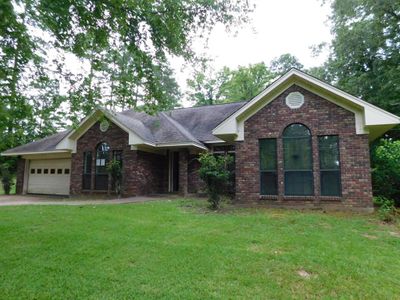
[[49, 176]]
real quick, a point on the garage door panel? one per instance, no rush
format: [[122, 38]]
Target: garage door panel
[[49, 176]]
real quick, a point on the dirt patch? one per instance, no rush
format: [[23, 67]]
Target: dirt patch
[[395, 234], [371, 237], [304, 274]]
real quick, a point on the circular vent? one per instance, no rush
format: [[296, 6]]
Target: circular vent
[[295, 100], [104, 125]]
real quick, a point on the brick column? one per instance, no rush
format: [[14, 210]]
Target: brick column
[[20, 176], [183, 172]]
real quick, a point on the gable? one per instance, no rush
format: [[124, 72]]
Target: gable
[[70, 141], [321, 116], [369, 119]]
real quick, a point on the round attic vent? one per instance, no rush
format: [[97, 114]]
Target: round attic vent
[[295, 100], [104, 125]]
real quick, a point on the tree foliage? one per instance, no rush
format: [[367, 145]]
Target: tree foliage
[[214, 171], [245, 82], [386, 169], [123, 46], [284, 63], [365, 51], [241, 84]]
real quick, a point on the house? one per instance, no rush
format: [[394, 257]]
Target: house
[[300, 142]]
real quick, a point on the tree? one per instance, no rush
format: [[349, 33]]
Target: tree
[[204, 88], [386, 169], [228, 85], [365, 51], [244, 83], [114, 168], [124, 43], [284, 63]]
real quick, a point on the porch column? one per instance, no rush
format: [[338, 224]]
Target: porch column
[[183, 172]]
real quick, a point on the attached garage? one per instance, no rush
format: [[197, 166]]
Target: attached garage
[[49, 176]]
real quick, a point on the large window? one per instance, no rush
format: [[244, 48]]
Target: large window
[[268, 167], [87, 170], [298, 164], [102, 159], [329, 164]]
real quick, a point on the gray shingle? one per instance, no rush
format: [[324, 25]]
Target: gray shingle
[[46, 144], [183, 125]]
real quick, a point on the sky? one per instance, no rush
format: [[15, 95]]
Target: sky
[[276, 27]]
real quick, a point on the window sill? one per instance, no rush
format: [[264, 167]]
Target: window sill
[[268, 197], [330, 198], [307, 197], [95, 191]]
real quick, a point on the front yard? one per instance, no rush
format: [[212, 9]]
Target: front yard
[[176, 249]]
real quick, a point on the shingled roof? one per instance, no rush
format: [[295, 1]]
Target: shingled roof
[[184, 125]]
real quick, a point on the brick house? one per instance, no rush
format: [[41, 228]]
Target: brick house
[[300, 142]]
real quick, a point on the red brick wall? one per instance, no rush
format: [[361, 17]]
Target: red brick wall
[[143, 173], [20, 176], [195, 184], [322, 118]]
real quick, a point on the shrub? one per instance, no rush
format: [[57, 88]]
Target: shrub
[[115, 170], [387, 211], [214, 171], [386, 169], [6, 178]]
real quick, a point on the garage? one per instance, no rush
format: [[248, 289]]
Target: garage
[[49, 176]]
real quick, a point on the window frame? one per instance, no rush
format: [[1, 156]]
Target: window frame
[[287, 171], [268, 171], [330, 170]]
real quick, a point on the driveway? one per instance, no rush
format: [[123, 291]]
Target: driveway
[[12, 200]]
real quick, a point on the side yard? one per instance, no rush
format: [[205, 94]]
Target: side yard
[[177, 249]]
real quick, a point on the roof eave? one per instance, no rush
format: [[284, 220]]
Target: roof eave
[[33, 152]]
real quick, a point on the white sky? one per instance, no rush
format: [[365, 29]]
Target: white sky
[[277, 27]]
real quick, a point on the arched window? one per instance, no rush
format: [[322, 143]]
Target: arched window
[[298, 164], [102, 159]]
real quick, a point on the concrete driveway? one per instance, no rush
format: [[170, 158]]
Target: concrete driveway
[[12, 200]]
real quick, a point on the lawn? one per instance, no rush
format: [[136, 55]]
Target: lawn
[[176, 249]]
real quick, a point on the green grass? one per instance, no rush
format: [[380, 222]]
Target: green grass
[[175, 249]]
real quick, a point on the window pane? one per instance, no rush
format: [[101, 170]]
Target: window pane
[[32, 171], [299, 183], [269, 183], [117, 155], [330, 183], [87, 164], [296, 130], [297, 154], [102, 158], [329, 152], [268, 154]]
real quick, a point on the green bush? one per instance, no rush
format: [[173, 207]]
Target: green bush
[[214, 171], [114, 168], [387, 211], [6, 178], [386, 169]]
